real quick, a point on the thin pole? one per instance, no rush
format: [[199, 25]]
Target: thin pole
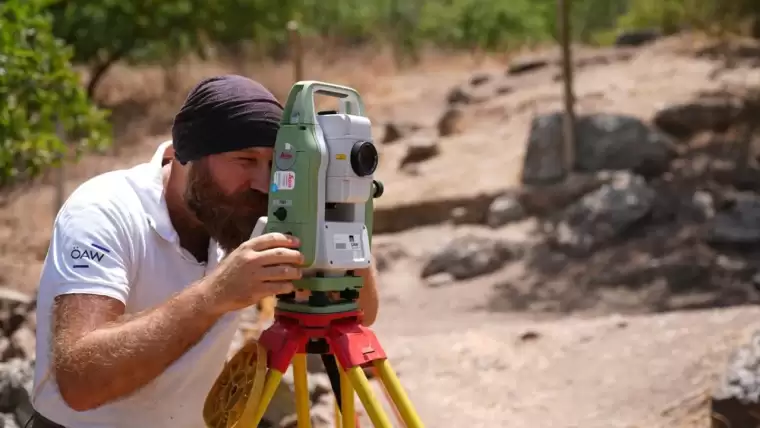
[[568, 123], [296, 50]]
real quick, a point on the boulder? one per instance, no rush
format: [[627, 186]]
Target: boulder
[[505, 209], [469, 256], [603, 142], [738, 223], [683, 120], [735, 402], [604, 214]]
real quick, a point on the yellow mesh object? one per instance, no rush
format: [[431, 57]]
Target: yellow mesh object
[[241, 382]]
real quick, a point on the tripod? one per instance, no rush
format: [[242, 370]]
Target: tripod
[[245, 396]]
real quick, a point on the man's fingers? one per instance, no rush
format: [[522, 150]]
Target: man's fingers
[[278, 273], [274, 288], [279, 256], [273, 240]]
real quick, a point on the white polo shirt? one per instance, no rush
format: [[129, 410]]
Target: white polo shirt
[[113, 237]]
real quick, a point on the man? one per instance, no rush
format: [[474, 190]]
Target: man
[[149, 267]]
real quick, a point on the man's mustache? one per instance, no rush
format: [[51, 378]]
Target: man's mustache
[[248, 200]]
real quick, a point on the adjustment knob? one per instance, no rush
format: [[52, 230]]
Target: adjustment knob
[[378, 189], [281, 213]]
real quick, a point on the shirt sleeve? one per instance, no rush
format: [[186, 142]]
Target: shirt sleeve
[[89, 252]]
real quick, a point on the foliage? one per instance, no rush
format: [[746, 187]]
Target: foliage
[[107, 31], [714, 16], [40, 37], [39, 90]]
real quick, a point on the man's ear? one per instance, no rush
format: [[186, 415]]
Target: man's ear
[[168, 155]]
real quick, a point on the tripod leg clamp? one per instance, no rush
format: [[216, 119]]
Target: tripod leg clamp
[[354, 345]]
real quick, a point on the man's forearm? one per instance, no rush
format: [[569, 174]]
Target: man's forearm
[[117, 359]]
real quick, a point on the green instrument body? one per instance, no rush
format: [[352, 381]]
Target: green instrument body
[[298, 195]]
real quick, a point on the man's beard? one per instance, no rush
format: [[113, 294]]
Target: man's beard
[[228, 219]]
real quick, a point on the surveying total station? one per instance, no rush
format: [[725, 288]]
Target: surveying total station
[[322, 188]]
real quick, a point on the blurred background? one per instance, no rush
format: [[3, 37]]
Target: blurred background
[[570, 226]]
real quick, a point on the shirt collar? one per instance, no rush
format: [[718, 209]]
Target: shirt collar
[[158, 212]]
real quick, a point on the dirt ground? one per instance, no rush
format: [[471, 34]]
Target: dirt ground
[[470, 354], [467, 363]]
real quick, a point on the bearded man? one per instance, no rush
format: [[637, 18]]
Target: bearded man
[[149, 267]]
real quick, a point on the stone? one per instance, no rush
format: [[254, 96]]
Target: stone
[[450, 122], [392, 133], [395, 131], [702, 206], [604, 214], [24, 341], [738, 223], [8, 420], [541, 200], [544, 162], [16, 377], [637, 37], [604, 142], [387, 253], [736, 399], [419, 150], [15, 308], [505, 209], [470, 94], [478, 79], [526, 64], [615, 142], [711, 113], [469, 256]]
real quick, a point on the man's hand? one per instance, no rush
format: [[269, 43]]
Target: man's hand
[[260, 267], [369, 301]]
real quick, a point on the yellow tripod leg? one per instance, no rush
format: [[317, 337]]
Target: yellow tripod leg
[[347, 399], [336, 414], [388, 397], [274, 377], [301, 382], [364, 391], [398, 395]]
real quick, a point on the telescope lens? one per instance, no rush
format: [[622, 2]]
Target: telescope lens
[[364, 158]]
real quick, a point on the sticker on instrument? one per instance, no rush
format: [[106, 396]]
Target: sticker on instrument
[[346, 242], [285, 180], [340, 156]]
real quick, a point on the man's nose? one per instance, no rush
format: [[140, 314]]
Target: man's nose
[[260, 179]]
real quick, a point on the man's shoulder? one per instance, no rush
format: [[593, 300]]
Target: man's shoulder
[[110, 188], [114, 194]]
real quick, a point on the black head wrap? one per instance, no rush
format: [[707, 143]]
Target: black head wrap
[[225, 113]]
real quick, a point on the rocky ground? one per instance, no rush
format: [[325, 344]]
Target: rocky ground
[[515, 293]]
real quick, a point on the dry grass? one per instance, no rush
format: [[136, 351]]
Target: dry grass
[[144, 99]]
